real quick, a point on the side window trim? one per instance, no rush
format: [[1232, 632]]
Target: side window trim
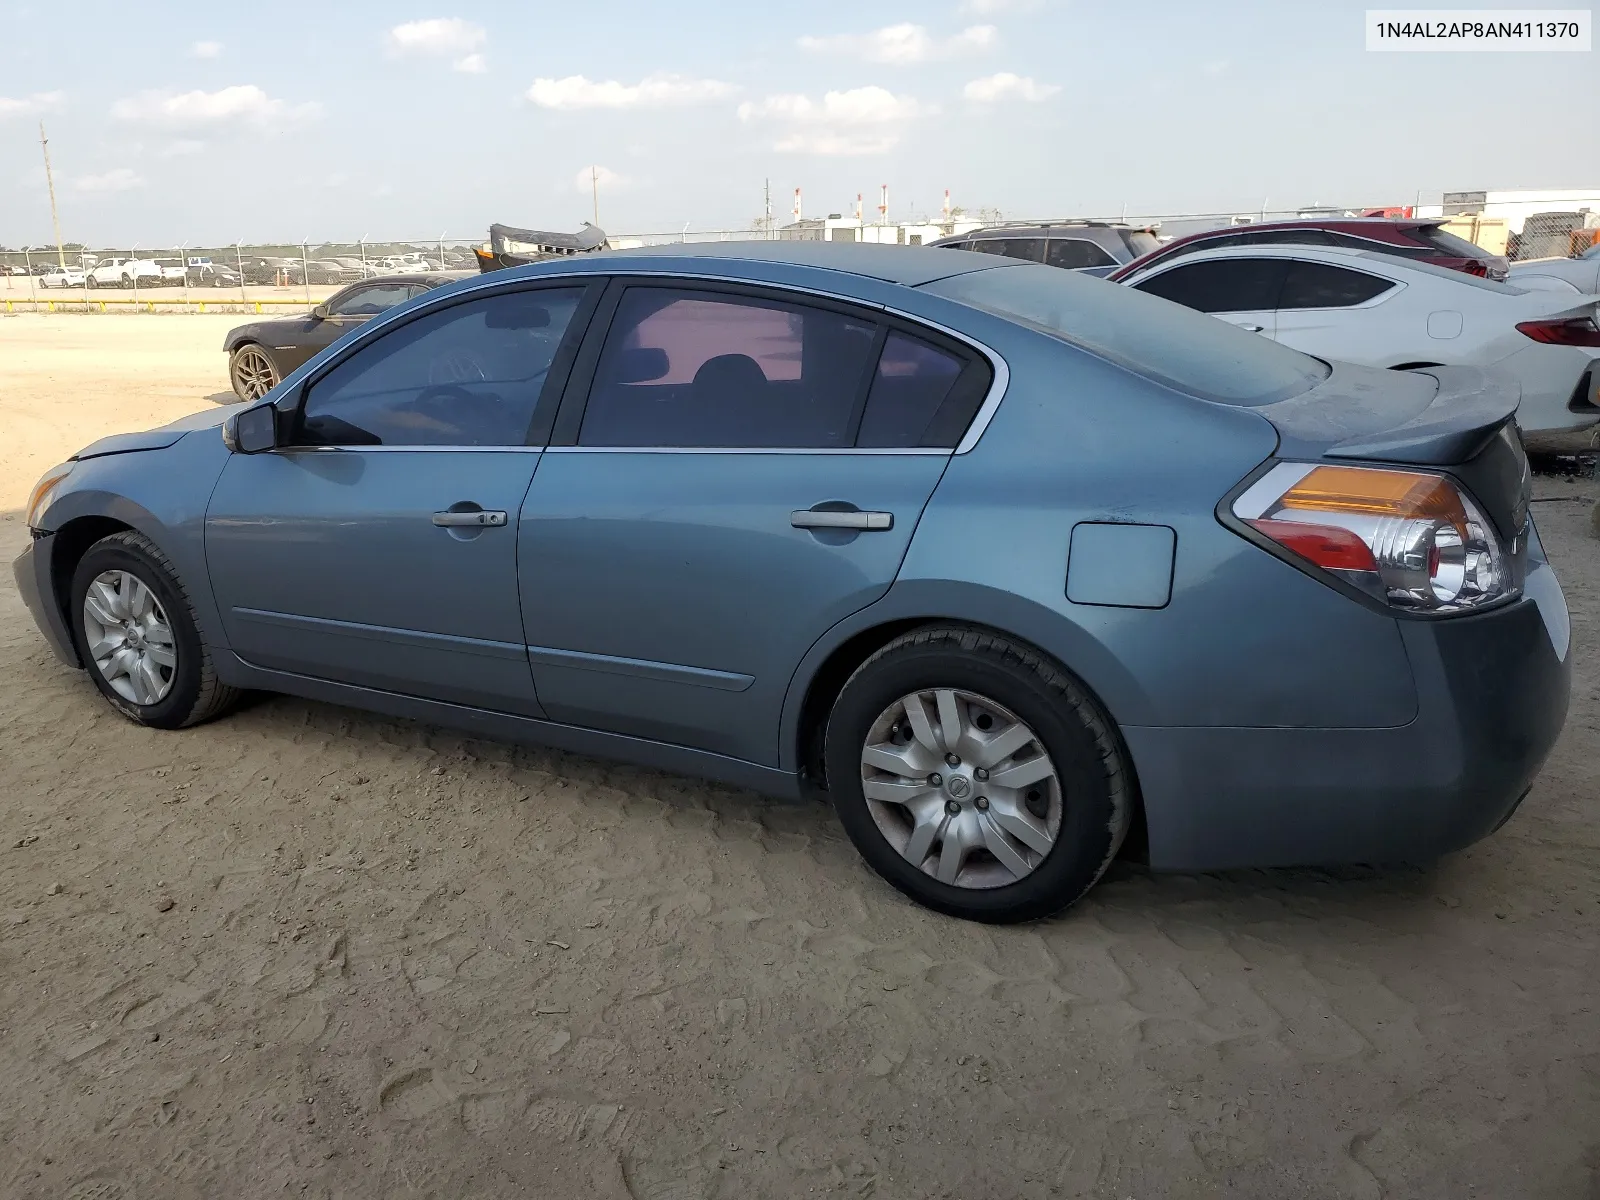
[[292, 406]]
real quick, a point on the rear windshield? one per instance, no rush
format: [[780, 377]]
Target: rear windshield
[[1139, 241], [1449, 243], [1194, 353]]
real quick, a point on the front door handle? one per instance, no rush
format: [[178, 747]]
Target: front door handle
[[473, 518], [1251, 328], [811, 518]]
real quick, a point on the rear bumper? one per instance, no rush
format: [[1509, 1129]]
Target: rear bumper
[[32, 571], [1493, 693]]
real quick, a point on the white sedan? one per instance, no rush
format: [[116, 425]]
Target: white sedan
[[61, 277], [1581, 274], [1383, 311]]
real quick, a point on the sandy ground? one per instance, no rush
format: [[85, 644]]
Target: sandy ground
[[309, 952]]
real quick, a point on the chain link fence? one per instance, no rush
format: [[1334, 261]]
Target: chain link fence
[[263, 276]]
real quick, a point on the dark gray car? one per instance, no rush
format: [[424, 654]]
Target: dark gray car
[[1022, 569], [1093, 247]]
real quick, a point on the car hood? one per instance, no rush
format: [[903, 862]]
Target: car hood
[[162, 436]]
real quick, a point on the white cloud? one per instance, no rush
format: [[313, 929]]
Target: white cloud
[[471, 64], [119, 179], [441, 37], [990, 8], [1006, 86], [903, 44], [1217, 66], [864, 120], [28, 106], [652, 91], [607, 179], [206, 49], [243, 104], [181, 148]]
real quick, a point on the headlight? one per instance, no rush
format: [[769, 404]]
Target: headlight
[[44, 489], [1408, 538]]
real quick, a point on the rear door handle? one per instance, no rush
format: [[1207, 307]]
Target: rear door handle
[[495, 517], [810, 518]]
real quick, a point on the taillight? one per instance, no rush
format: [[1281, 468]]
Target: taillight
[[1476, 266], [1410, 539], [1574, 331]]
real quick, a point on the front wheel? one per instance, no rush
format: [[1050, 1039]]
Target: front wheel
[[252, 373], [91, 282], [977, 777], [137, 635]]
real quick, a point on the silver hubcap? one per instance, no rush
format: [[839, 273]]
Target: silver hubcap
[[961, 787], [129, 637], [254, 374]]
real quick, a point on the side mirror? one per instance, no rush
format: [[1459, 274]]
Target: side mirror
[[320, 313], [252, 431]]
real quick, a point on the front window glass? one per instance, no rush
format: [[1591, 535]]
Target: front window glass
[[467, 375]]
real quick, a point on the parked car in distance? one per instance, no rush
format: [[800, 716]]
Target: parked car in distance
[[206, 272], [57, 276], [1581, 274], [884, 522], [1095, 247], [1382, 311], [262, 352], [124, 273], [1419, 239]]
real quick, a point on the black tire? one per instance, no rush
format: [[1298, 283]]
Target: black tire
[[1096, 782], [196, 695], [246, 364], [91, 281]]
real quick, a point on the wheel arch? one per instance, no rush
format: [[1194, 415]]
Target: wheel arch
[[67, 548], [836, 657]]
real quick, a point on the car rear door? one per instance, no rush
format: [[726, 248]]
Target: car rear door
[[733, 471], [1339, 312], [379, 547], [1241, 290]]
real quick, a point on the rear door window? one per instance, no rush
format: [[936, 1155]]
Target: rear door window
[[1027, 249], [922, 395], [688, 367], [1222, 285], [1321, 285], [1074, 254]]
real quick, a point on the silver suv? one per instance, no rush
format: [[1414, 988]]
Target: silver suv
[[1094, 247]]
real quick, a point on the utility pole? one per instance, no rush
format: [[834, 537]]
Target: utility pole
[[766, 219], [50, 182], [594, 189]]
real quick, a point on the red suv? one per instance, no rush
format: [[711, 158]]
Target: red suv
[[1422, 239]]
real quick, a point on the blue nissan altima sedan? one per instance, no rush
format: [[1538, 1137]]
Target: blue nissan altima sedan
[[1021, 569]]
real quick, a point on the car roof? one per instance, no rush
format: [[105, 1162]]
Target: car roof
[[1378, 261], [435, 277], [908, 265]]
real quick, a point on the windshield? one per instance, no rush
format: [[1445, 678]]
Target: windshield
[[1176, 346]]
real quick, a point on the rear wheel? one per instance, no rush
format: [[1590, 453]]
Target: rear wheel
[[138, 637], [976, 777], [252, 372]]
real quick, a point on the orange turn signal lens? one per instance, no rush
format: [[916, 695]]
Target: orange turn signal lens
[[1378, 493]]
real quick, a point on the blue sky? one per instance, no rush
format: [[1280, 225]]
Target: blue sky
[[209, 122]]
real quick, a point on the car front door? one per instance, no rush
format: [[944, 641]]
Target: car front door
[[733, 471], [379, 548], [1242, 291]]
